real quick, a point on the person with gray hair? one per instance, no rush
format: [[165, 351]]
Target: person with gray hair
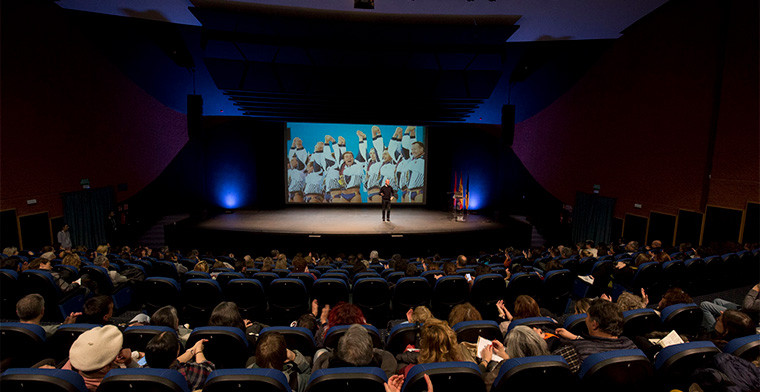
[[116, 277], [355, 350], [521, 341], [10, 251], [30, 310]]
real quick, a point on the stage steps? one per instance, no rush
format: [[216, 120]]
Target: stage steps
[[155, 236]]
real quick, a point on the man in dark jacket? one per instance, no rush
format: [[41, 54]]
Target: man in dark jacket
[[386, 192]]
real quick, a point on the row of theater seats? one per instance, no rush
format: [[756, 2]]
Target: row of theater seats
[[25, 344], [625, 370]]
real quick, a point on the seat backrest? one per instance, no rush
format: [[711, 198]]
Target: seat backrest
[[335, 333], [195, 275], [618, 369], [410, 293], [137, 337], [21, 344], [165, 269], [145, 379], [238, 380], [684, 318], [430, 276], [539, 373], [395, 276], [373, 296], [265, 278], [296, 338], [538, 322], [365, 379], [224, 278], [448, 292], [227, 347], [329, 291], [287, 299], [41, 380], [469, 331], [638, 322], [249, 296], [307, 279], [576, 323], [402, 335], [63, 337], [445, 376], [676, 363], [747, 347]]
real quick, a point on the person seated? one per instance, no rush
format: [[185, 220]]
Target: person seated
[[731, 324], [438, 343], [674, 295], [521, 341], [300, 265], [525, 307], [96, 352], [712, 309], [355, 349], [463, 312], [342, 314], [162, 352], [45, 265], [227, 314], [605, 324], [31, 308], [272, 353], [116, 277], [96, 310], [167, 317]]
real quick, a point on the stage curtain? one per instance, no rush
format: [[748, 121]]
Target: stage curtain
[[85, 212], [592, 217]]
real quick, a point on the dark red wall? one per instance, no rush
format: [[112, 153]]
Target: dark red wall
[[639, 122], [68, 114]]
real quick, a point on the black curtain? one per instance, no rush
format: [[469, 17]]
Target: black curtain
[[85, 212], [592, 217]]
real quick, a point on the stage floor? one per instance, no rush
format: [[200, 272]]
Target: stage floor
[[301, 229], [354, 221]]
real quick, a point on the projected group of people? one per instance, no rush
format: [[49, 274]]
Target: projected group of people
[[333, 173]]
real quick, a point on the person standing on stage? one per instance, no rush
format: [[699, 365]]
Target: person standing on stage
[[386, 192]]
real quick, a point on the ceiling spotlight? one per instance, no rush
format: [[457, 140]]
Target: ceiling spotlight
[[364, 4]]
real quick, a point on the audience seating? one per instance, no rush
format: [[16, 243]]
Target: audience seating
[[121, 293], [41, 380], [373, 297], [21, 344], [300, 339], [675, 363], [747, 347], [394, 277], [136, 337], [445, 376], [409, 293], [430, 276], [469, 331], [714, 270], [69, 273], [538, 322], [674, 273], [522, 283], [159, 292], [576, 324], [335, 333], [619, 370], [143, 379], [63, 337], [329, 291], [227, 347], [647, 277], [556, 290], [9, 291], [401, 336], [287, 299], [365, 379], [306, 278], [448, 292], [166, 269], [638, 322], [57, 304], [199, 297], [584, 265], [332, 274], [486, 291], [195, 275], [224, 278], [265, 278], [547, 373], [243, 380], [362, 275], [684, 318], [249, 296]]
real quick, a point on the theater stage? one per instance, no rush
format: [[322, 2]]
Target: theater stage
[[339, 229]]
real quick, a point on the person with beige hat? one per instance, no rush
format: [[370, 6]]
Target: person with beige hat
[[97, 351]]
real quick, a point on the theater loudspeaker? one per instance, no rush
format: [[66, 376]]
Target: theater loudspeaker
[[194, 116], [508, 124]]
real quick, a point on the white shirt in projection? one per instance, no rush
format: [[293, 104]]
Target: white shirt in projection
[[416, 173], [296, 180]]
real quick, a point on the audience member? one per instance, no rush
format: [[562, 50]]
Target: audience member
[[116, 277], [355, 349], [97, 310], [96, 352], [463, 312], [273, 353], [162, 352], [712, 309], [227, 314], [342, 314]]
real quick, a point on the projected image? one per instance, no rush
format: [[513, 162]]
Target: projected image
[[348, 163]]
